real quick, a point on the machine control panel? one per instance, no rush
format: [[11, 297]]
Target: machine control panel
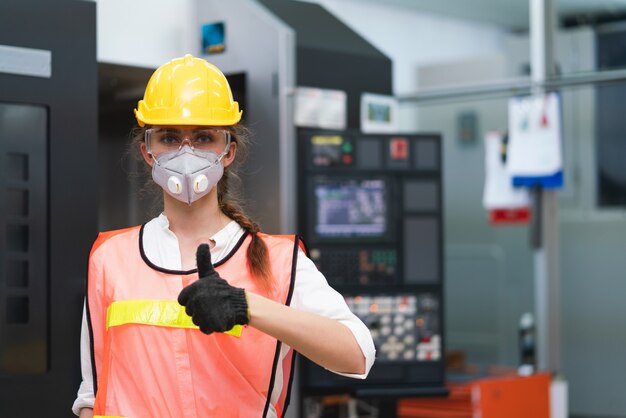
[[331, 150], [370, 212], [370, 207], [357, 266], [404, 327]]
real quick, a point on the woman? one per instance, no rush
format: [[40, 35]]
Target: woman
[[196, 313]]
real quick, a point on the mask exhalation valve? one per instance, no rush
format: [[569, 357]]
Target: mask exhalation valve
[[200, 184], [174, 185]]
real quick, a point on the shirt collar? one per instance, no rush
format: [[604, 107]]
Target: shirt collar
[[161, 245]]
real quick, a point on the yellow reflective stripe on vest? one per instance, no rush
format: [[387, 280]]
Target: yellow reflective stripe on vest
[[161, 313]]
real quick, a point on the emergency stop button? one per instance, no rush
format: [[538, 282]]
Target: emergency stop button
[[399, 148]]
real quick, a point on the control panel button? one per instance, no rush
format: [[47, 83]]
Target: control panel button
[[399, 149], [396, 336], [367, 267]]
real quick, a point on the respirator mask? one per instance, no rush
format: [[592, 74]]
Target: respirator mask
[[187, 163]]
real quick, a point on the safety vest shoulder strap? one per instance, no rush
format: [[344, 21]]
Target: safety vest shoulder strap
[[104, 236], [290, 237]]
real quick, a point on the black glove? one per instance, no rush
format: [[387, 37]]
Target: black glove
[[213, 304]]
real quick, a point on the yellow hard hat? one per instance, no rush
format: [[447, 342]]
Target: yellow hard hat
[[188, 91]]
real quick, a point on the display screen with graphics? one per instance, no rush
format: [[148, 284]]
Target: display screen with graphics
[[379, 112], [351, 208]]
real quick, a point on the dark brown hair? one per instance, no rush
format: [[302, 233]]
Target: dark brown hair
[[229, 200]]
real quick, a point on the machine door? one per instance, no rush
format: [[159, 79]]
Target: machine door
[[48, 214]]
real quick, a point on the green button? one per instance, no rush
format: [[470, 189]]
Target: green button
[[347, 147]]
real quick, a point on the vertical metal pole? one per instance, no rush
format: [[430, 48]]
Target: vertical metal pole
[[287, 131], [546, 254]]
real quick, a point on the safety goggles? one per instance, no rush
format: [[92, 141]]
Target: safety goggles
[[168, 139]]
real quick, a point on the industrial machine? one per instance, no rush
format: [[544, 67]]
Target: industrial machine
[[370, 209], [48, 211]]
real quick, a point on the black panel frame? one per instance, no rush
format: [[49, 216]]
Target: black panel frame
[[66, 28], [24, 309]]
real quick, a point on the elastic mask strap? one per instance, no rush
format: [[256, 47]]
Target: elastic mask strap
[[226, 149]]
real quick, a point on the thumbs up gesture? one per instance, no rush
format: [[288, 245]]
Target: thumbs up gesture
[[213, 304]]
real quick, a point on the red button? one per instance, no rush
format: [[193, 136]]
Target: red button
[[399, 148], [347, 159]]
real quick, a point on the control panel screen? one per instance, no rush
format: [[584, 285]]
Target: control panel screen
[[350, 208]]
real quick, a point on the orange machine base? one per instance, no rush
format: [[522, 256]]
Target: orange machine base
[[510, 397]]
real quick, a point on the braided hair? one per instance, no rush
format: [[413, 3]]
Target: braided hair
[[258, 259]]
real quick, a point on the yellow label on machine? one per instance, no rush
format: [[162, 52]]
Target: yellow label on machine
[[326, 140]]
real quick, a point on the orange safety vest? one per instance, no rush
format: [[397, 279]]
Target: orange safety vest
[[150, 361]]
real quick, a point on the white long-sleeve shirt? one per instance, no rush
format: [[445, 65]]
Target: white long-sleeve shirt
[[311, 293]]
